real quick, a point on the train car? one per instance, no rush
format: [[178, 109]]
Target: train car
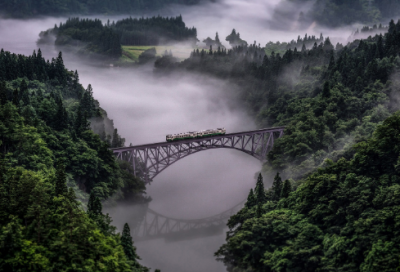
[[195, 134]]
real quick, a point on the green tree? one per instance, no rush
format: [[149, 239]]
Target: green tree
[[3, 93], [24, 92], [129, 248], [260, 195], [277, 187], [60, 187], [286, 189], [94, 207], [251, 199], [15, 97]]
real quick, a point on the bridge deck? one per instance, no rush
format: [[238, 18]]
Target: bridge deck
[[121, 149]]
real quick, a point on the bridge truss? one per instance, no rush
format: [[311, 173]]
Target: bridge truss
[[150, 160]]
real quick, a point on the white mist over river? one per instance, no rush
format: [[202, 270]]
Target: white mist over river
[[146, 107]]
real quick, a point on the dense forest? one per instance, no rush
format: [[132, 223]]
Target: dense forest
[[343, 217], [301, 43], [90, 36], [31, 8], [87, 35], [50, 161], [154, 31], [331, 101], [336, 13]]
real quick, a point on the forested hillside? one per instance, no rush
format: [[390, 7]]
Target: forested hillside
[[86, 35], [31, 8], [336, 13], [49, 158], [338, 210], [344, 217], [154, 31], [91, 36], [46, 117], [327, 99]]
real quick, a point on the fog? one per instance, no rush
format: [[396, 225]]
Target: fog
[[145, 107]]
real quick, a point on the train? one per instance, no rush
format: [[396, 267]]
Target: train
[[195, 134]]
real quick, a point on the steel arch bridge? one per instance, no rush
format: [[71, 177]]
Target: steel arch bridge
[[151, 159], [155, 225]]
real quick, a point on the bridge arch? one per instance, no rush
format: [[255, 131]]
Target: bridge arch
[[150, 160]]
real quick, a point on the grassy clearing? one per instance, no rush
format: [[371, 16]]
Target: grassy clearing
[[132, 53]]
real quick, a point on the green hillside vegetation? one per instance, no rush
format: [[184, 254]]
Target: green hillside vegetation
[[52, 122], [301, 44], [154, 31], [34, 8], [326, 98], [87, 35], [344, 217], [91, 37], [337, 208], [50, 160], [335, 13]]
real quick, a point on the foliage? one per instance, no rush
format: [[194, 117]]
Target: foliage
[[90, 36], [342, 214], [342, 217], [129, 248], [216, 43], [45, 115], [234, 39], [300, 44], [326, 98], [44, 119], [153, 31], [41, 230]]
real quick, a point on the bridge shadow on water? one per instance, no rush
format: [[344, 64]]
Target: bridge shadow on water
[[157, 226]]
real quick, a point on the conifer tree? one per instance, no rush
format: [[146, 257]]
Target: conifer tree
[[76, 80], [326, 90], [287, 188], [251, 199], [61, 119], [60, 69], [24, 92], [3, 94], [94, 207], [217, 41], [260, 195], [331, 62], [15, 98], [277, 186], [259, 210], [127, 244], [61, 179]]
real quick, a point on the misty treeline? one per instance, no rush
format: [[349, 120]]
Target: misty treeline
[[342, 210], [304, 43], [335, 13], [154, 31], [33, 8], [92, 36], [50, 160], [233, 39]]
